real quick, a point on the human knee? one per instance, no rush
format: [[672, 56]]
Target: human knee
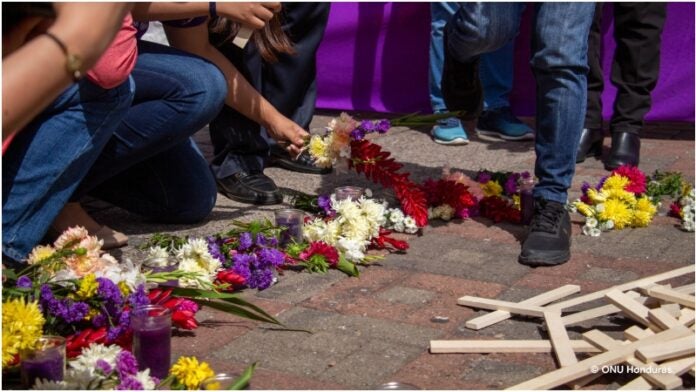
[[480, 28]]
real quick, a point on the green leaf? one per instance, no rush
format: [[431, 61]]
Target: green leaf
[[9, 274], [244, 378], [241, 302], [347, 267], [231, 308]]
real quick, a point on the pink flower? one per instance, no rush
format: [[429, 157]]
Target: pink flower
[[323, 249], [636, 178]]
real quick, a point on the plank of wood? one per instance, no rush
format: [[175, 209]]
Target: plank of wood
[[671, 295], [637, 384], [686, 289], [667, 349], [689, 269], [662, 380], [629, 306], [599, 311], [567, 374], [538, 300], [559, 339], [504, 346], [687, 316], [242, 37], [637, 333], [494, 304], [673, 309], [662, 318], [678, 367]]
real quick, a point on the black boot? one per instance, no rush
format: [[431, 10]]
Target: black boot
[[625, 150], [590, 144], [548, 241], [461, 86]]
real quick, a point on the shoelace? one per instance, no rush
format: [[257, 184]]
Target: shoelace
[[449, 122], [546, 217]]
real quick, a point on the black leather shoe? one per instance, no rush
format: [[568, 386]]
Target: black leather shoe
[[548, 241], [590, 144], [248, 188], [461, 86], [303, 164], [625, 150]]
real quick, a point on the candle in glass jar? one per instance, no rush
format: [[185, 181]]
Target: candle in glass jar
[[527, 199], [348, 193], [152, 334], [292, 220], [46, 362]]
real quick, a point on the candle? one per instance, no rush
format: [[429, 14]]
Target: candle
[[527, 199], [348, 192], [220, 382], [46, 362], [152, 334], [292, 221]]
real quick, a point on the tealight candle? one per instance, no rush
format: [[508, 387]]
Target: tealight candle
[[152, 339], [348, 193], [46, 362], [292, 220]]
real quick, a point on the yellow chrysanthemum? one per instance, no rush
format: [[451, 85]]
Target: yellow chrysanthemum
[[190, 373], [88, 287], [516, 201], [644, 212], [318, 149], [615, 181], [618, 212], [622, 195], [22, 326], [584, 208], [492, 188], [125, 290], [596, 196], [41, 252]]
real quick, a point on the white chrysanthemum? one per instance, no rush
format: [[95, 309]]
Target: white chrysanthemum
[[87, 361], [410, 225], [444, 212], [396, 215], [374, 213], [399, 227], [196, 249], [347, 209], [591, 222], [144, 378], [607, 225], [157, 257], [353, 250], [357, 229], [318, 230], [599, 207]]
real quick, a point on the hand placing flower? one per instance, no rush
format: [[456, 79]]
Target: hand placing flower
[[284, 131]]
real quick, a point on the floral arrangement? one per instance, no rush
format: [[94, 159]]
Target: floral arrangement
[[501, 195], [22, 326], [616, 202], [450, 196], [684, 209], [673, 185]]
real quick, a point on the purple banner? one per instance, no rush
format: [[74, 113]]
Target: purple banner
[[374, 57]]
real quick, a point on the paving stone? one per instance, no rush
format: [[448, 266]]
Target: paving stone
[[609, 275], [406, 295], [500, 374], [294, 287]]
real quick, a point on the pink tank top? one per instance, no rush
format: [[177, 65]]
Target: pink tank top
[[119, 59]]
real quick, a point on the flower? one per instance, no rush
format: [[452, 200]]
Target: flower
[[491, 188], [444, 212], [319, 150], [88, 287], [616, 182], [148, 383], [245, 241], [126, 365], [618, 212], [39, 253], [636, 178], [584, 208], [22, 326], [195, 258], [190, 373], [644, 212], [96, 352], [410, 225], [322, 249], [352, 249], [157, 257], [24, 282]]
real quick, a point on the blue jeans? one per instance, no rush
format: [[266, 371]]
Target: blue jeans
[[559, 63], [497, 67], [47, 160]]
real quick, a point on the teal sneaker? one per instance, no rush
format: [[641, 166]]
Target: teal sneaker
[[450, 131], [502, 124]]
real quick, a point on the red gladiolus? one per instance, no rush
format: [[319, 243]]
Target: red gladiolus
[[323, 249], [383, 241], [184, 319], [230, 277], [75, 343]]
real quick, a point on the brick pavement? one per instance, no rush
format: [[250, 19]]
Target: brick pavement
[[376, 328]]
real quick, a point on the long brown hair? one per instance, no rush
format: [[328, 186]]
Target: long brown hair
[[270, 41]]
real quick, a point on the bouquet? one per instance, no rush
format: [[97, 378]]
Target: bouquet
[[501, 195], [672, 185], [450, 196]]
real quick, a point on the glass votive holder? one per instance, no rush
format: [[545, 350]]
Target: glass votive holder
[[152, 339], [219, 382], [292, 220], [46, 362], [348, 193], [395, 385]]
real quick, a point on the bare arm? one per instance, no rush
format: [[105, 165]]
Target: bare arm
[[34, 74], [253, 15]]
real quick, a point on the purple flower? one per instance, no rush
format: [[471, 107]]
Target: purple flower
[[99, 320], [271, 257], [601, 182], [324, 202], [67, 310], [483, 177], [24, 282], [139, 297], [357, 134], [383, 126], [214, 249], [525, 175], [511, 185], [104, 366], [245, 241], [129, 383], [585, 187], [109, 292], [126, 364], [120, 328], [261, 240], [188, 305], [260, 279], [367, 126], [242, 264]]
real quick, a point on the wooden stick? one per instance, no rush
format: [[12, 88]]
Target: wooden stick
[[638, 384], [242, 37], [662, 319], [673, 309], [539, 300], [671, 295], [662, 380], [667, 349], [612, 357], [559, 339], [687, 316], [637, 333], [678, 366], [623, 287], [494, 304], [632, 308], [598, 312], [686, 289], [504, 346]]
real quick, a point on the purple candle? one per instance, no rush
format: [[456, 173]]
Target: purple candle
[[152, 335], [46, 362], [292, 221], [527, 199]]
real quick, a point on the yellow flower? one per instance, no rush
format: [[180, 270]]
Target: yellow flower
[[88, 287], [125, 290], [41, 252], [644, 212], [622, 195], [584, 208], [92, 314], [595, 196], [22, 326], [516, 201], [616, 211], [190, 373], [615, 181], [492, 188], [318, 149]]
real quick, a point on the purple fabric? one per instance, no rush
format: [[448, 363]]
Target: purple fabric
[[374, 56]]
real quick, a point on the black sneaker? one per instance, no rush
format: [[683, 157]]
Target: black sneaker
[[461, 86], [303, 164], [248, 188], [548, 241]]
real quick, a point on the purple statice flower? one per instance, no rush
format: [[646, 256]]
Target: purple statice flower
[[104, 366], [261, 240], [188, 305], [129, 383], [357, 134], [383, 126], [120, 327], [67, 310], [525, 175], [483, 177], [109, 291], [75, 312], [245, 242], [601, 182], [324, 202], [24, 282], [585, 187], [367, 126], [260, 279], [139, 297], [510, 185], [99, 320], [214, 248], [270, 258], [126, 364], [242, 264]]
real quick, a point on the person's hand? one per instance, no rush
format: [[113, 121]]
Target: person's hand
[[288, 134], [251, 15]]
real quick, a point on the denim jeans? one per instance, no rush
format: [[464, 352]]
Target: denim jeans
[[559, 63], [151, 166], [497, 68], [47, 160]]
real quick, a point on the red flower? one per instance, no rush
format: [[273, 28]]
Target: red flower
[[184, 319], [454, 194], [675, 210], [76, 342], [321, 248], [498, 209], [230, 277], [384, 241], [635, 176]]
